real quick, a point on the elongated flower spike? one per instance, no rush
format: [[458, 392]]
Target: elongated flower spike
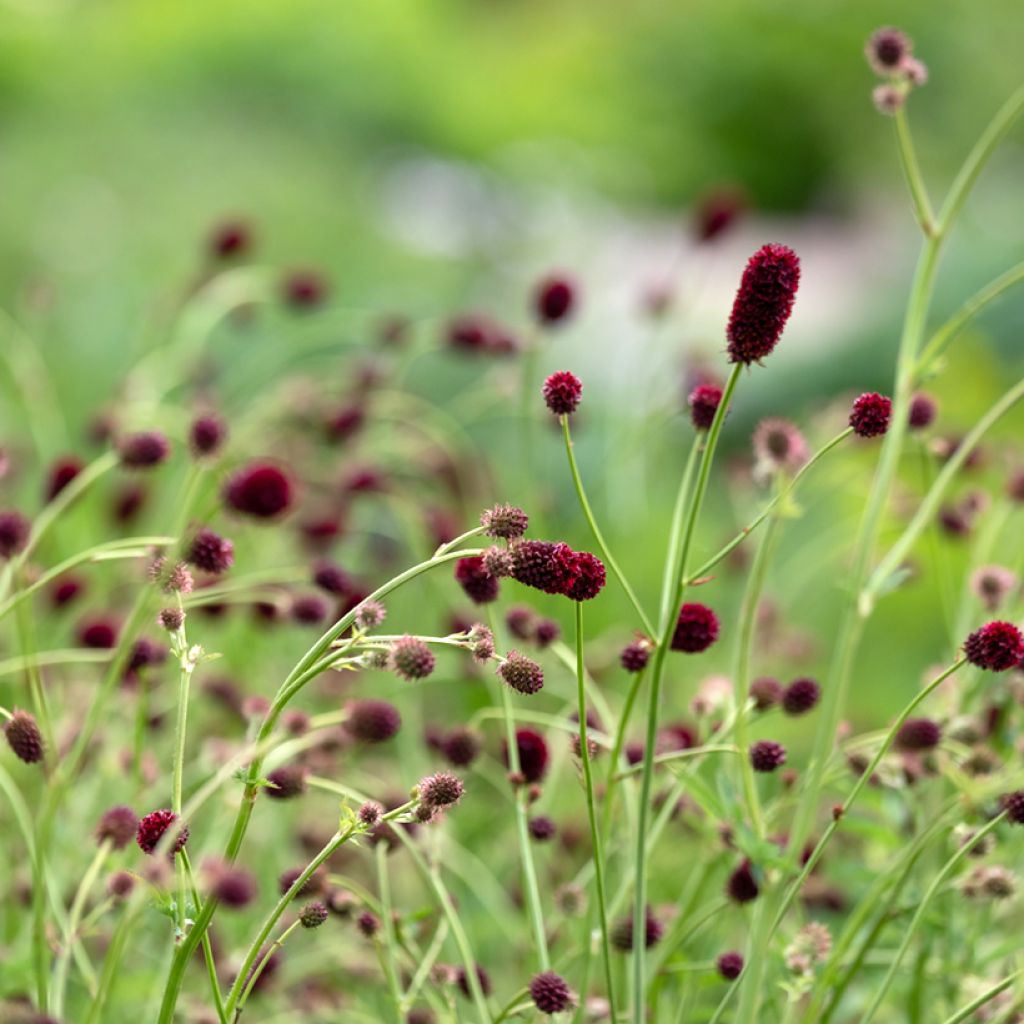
[[763, 303]]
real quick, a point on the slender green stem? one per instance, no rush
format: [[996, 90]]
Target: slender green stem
[[388, 924], [912, 172], [180, 732], [640, 881], [670, 576], [595, 833], [258, 969], [911, 929], [588, 513], [112, 963], [208, 957], [968, 1011]]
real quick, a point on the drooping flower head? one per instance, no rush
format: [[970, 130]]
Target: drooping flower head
[[763, 303]]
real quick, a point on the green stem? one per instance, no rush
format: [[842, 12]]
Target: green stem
[[258, 969], [912, 172], [390, 967], [671, 573], [596, 530], [968, 1011]]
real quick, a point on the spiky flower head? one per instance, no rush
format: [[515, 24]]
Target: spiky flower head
[[1013, 804], [24, 737], [766, 756], [544, 565], [590, 578], [696, 629], [370, 814], [505, 522], [996, 647], [368, 924], [703, 401], [152, 827], [373, 721], [811, 946], [551, 993], [521, 673], [562, 392], [313, 914], [729, 965], [411, 658], [14, 533], [800, 696], [479, 585], [763, 303], [498, 562], [442, 789], [117, 826], [870, 414], [143, 450], [778, 446], [172, 619], [553, 299], [210, 552], [369, 615], [261, 490], [917, 734], [481, 642]]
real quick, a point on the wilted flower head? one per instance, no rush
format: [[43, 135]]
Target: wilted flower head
[[778, 447], [763, 304], [990, 881]]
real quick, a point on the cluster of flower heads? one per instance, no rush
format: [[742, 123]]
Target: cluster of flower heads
[[890, 53]]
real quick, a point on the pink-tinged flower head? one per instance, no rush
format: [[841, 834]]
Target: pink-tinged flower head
[[870, 414], [551, 993], [505, 522], [779, 446], [886, 50], [260, 489], [522, 674], [533, 754], [411, 658], [766, 756], [544, 565], [800, 696], [923, 410], [766, 693], [763, 303], [888, 98], [442, 789], [61, 473], [696, 629], [729, 965], [230, 239], [703, 401], [562, 392], [211, 552], [373, 721], [993, 584], [480, 586], [24, 737], [590, 578], [304, 289], [206, 435], [143, 450], [554, 300], [996, 647], [153, 826], [14, 533]]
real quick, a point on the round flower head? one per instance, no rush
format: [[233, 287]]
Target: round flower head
[[369, 615], [472, 575], [232, 238], [546, 632], [562, 392], [143, 450], [1013, 804], [763, 304], [420, 1015], [923, 410], [260, 490], [304, 289], [551, 993], [992, 584], [521, 673], [696, 629], [918, 734], [308, 609], [97, 632], [766, 756], [370, 814], [800, 696], [411, 658], [590, 578], [545, 565], [888, 98], [779, 446], [286, 782], [542, 828], [24, 737], [886, 50], [62, 472], [232, 886], [996, 647], [703, 401], [462, 980], [497, 561], [622, 932], [211, 552], [553, 300], [313, 915], [206, 435], [741, 886], [120, 885], [766, 692], [330, 577], [533, 755], [461, 747], [153, 826], [441, 789], [373, 721], [14, 533], [870, 414], [729, 965], [172, 619], [117, 826], [634, 656], [481, 642], [914, 71], [506, 522]]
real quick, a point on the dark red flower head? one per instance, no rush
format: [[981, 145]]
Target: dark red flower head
[[232, 238], [545, 565], [14, 533], [717, 211], [480, 586], [870, 414], [703, 402], [590, 577], [800, 696], [554, 299], [207, 434], [551, 993], [153, 826], [97, 632], [24, 737], [533, 754], [234, 887], [766, 756], [634, 656], [730, 965], [260, 489], [923, 410], [211, 552], [117, 825], [696, 629], [741, 886], [304, 289], [522, 674], [918, 734], [542, 828], [763, 303], [286, 782], [997, 646], [143, 450], [309, 609], [562, 392], [373, 721], [461, 746], [62, 472], [622, 932]]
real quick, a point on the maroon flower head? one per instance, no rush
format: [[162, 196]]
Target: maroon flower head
[[153, 826], [546, 632], [313, 915], [741, 886], [146, 652], [373, 721], [870, 414], [304, 289], [480, 586], [545, 565], [886, 50], [717, 211], [622, 932], [506, 522], [260, 489], [923, 410], [65, 590], [918, 734], [520, 620], [635, 655], [533, 754], [232, 238], [703, 401], [553, 300], [996, 647], [206, 435], [800, 696], [696, 629], [370, 814], [442, 789], [1013, 804], [590, 578], [62, 472], [345, 422], [763, 303], [211, 552], [172, 619], [232, 886], [562, 392], [286, 782], [551, 993], [411, 658], [522, 674], [98, 633], [461, 746], [331, 578], [729, 965], [143, 450], [117, 825], [766, 756], [542, 828], [24, 737], [309, 609], [14, 533]]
